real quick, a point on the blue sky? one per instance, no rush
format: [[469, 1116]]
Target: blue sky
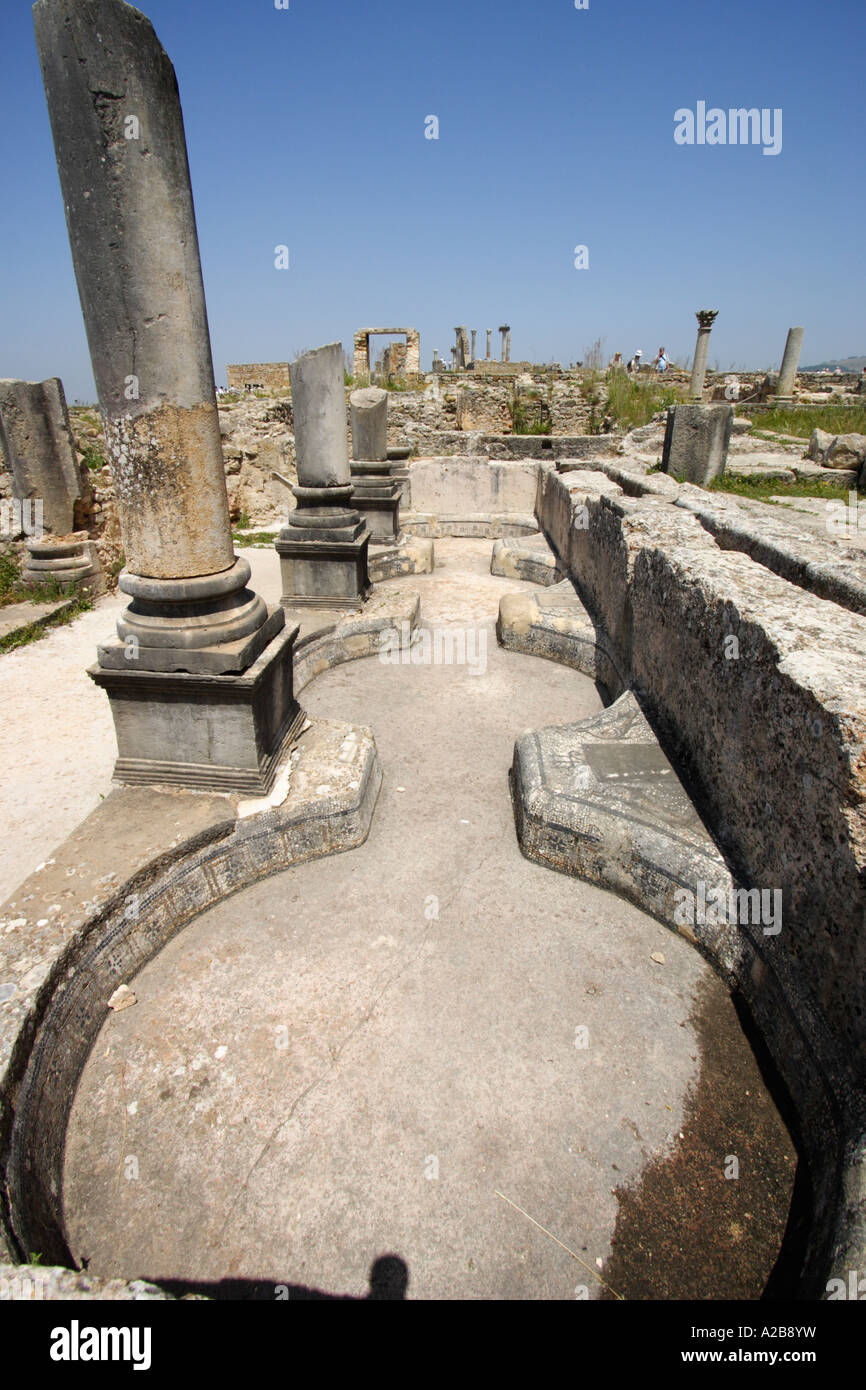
[[306, 127]]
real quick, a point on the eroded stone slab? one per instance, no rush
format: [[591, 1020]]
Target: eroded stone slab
[[555, 625], [415, 555], [355, 635], [485, 525], [531, 559], [598, 799]]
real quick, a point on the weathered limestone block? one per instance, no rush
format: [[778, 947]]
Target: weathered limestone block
[[827, 567], [599, 799], [562, 505], [414, 555], [531, 559], [696, 442], [847, 451], [472, 486], [556, 626], [819, 444]]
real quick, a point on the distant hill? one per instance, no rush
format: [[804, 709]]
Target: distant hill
[[847, 364]]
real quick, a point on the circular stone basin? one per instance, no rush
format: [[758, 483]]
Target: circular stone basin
[[431, 1049]]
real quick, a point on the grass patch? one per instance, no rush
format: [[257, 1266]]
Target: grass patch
[[763, 489], [802, 420], [530, 414], [396, 383], [9, 575], [254, 539], [86, 416], [633, 403], [80, 603], [93, 458]]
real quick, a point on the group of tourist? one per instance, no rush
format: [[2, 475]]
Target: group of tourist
[[661, 362]]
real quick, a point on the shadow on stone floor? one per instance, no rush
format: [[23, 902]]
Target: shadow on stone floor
[[389, 1281]]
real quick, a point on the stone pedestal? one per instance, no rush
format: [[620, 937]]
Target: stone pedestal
[[67, 562], [324, 551], [398, 459], [217, 732], [696, 442], [375, 494], [376, 497]]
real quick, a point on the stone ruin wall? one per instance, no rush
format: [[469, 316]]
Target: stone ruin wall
[[257, 432], [269, 376]]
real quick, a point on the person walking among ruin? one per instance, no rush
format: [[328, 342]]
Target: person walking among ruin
[[633, 364], [661, 362]]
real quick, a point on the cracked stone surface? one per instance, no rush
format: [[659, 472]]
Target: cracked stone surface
[[380, 1054]]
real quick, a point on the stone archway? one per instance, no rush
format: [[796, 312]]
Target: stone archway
[[362, 348]]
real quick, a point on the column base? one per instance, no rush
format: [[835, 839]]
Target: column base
[[223, 733], [323, 574], [376, 498], [64, 562]]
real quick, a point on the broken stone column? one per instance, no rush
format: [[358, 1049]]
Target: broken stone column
[[696, 442], [489, 331], [369, 417], [462, 335], [454, 359], [323, 549], [200, 675], [474, 333], [706, 318], [375, 494], [790, 363], [39, 448]]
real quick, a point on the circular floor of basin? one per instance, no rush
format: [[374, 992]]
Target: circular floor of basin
[[431, 1050]]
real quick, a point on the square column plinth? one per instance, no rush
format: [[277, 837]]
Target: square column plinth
[[222, 733], [325, 573], [376, 498]]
